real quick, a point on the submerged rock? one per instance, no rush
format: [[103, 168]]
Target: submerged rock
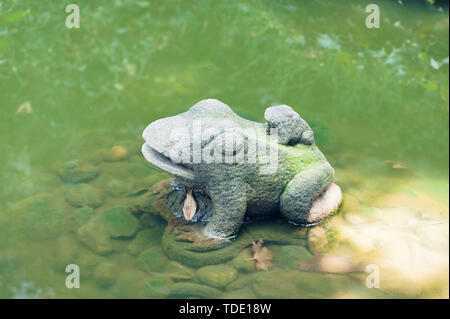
[[105, 274], [84, 195], [119, 222], [88, 263], [82, 215], [158, 286], [143, 240], [243, 261], [296, 284], [182, 241], [77, 171], [117, 153], [189, 290], [95, 235], [66, 252], [152, 260], [116, 187], [42, 216], [178, 272], [217, 275], [290, 256]]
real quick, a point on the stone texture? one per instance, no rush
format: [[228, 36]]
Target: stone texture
[[246, 187], [152, 260], [217, 275], [84, 195], [119, 222], [39, 217], [189, 290], [144, 239], [77, 171], [242, 263], [105, 274], [291, 128]]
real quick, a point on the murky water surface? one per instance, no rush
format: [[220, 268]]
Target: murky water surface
[[73, 105]]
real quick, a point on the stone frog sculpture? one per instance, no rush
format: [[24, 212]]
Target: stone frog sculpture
[[243, 168]]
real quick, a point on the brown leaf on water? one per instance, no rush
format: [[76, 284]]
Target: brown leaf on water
[[190, 206], [261, 255], [24, 108]]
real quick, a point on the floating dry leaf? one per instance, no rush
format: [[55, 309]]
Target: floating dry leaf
[[261, 255], [190, 206], [24, 108], [396, 165]]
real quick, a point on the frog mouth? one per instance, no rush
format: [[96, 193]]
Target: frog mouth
[[165, 163]]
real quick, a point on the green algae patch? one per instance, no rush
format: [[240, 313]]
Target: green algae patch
[[119, 222], [81, 195], [42, 216], [152, 260], [189, 290], [217, 275], [144, 239], [158, 286]]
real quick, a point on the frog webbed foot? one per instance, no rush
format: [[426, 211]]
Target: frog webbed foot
[[291, 128]]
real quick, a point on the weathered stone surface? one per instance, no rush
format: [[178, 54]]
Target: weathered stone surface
[[77, 171], [152, 259], [299, 176], [217, 275], [84, 195], [291, 128]]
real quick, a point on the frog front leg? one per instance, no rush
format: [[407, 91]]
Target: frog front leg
[[229, 203]]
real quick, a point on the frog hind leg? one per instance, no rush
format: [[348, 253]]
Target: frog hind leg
[[230, 203], [297, 199]]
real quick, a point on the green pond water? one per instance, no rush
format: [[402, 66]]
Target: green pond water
[[74, 102]]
